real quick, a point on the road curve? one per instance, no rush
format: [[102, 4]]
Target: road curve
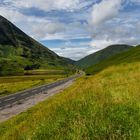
[[13, 98]]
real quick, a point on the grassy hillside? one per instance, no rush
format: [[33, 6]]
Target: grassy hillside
[[101, 55], [130, 56], [18, 51], [107, 107]]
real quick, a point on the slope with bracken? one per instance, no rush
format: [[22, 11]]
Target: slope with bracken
[[18, 51]]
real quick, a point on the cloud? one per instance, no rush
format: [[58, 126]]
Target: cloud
[[41, 30], [57, 26], [64, 36], [104, 11], [74, 52], [134, 1], [125, 33], [12, 14], [58, 30], [110, 25], [138, 26], [47, 5], [102, 43]]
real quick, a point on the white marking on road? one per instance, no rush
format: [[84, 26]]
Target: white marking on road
[[34, 90], [10, 99]]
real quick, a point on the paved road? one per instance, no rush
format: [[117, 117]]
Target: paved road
[[11, 99]]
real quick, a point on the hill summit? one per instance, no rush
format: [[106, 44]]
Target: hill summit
[[102, 54]]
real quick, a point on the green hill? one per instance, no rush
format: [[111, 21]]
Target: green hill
[[18, 51], [130, 56], [101, 55]]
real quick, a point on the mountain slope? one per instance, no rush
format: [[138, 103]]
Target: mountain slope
[[130, 56], [20, 51], [101, 55]]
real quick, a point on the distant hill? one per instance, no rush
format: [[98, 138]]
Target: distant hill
[[18, 51], [130, 56], [101, 55]]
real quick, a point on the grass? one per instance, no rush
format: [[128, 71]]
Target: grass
[[12, 84], [19, 52], [101, 55], [130, 56], [107, 107], [44, 71]]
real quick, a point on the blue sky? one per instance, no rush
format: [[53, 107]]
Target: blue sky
[[76, 28]]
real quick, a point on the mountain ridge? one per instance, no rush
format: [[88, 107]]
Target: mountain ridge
[[97, 57], [129, 56]]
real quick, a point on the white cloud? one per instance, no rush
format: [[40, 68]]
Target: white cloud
[[74, 53], [48, 5], [109, 26], [105, 10], [48, 30], [41, 30], [138, 26], [134, 1], [64, 36], [122, 34], [102, 43], [11, 14]]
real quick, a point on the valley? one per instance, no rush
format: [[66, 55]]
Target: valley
[[106, 107], [45, 96]]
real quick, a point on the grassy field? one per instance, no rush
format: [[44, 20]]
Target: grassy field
[[12, 84], [107, 107]]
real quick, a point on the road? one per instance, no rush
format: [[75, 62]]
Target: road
[[13, 98]]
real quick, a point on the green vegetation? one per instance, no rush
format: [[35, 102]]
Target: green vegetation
[[19, 52], [130, 56], [12, 84], [101, 55], [107, 107], [44, 71]]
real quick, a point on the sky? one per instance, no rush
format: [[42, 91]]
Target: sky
[[76, 28]]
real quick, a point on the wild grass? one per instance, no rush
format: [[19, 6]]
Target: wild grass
[[105, 106], [130, 56], [12, 84]]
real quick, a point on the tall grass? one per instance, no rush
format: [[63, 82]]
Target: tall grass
[[105, 106], [130, 56]]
